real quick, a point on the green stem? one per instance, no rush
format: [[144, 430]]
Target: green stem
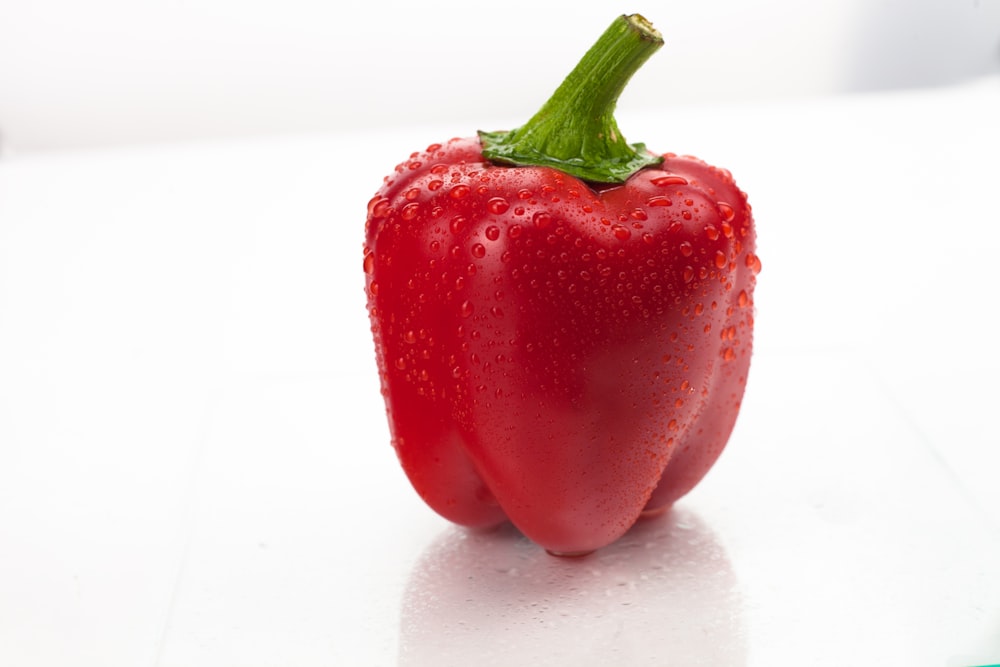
[[575, 131]]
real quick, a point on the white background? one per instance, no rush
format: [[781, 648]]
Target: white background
[[194, 463], [90, 73]]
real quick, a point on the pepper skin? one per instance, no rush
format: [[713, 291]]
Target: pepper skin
[[560, 353]]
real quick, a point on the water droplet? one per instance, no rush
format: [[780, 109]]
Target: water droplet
[[492, 232], [659, 201], [410, 337], [410, 211], [459, 191], [514, 231], [466, 309], [639, 214], [686, 215], [688, 274], [669, 180], [621, 232], [728, 354], [378, 207], [726, 211], [496, 311], [743, 299], [712, 232], [497, 205], [753, 263], [478, 250], [369, 263], [457, 224], [541, 219], [720, 259], [686, 248], [439, 169], [401, 364], [435, 185]]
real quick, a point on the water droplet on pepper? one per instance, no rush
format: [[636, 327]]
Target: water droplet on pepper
[[410, 211], [669, 180], [621, 232], [497, 205]]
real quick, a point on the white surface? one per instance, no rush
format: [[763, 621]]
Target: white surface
[[85, 74], [195, 469]]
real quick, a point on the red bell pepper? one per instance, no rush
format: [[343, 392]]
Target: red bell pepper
[[562, 320]]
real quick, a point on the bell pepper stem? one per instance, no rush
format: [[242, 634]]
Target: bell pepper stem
[[575, 130]]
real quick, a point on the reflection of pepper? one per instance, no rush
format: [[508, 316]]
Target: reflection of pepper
[[562, 320]]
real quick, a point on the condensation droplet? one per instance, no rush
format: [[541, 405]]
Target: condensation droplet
[[726, 211], [497, 205], [492, 232], [669, 180], [410, 211], [478, 250]]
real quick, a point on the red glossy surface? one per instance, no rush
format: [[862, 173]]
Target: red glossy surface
[[559, 356]]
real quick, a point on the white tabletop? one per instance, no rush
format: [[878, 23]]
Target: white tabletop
[[195, 467]]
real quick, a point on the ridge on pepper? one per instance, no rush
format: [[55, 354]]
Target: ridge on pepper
[[563, 321]]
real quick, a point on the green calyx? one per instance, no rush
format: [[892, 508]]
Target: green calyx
[[575, 130]]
